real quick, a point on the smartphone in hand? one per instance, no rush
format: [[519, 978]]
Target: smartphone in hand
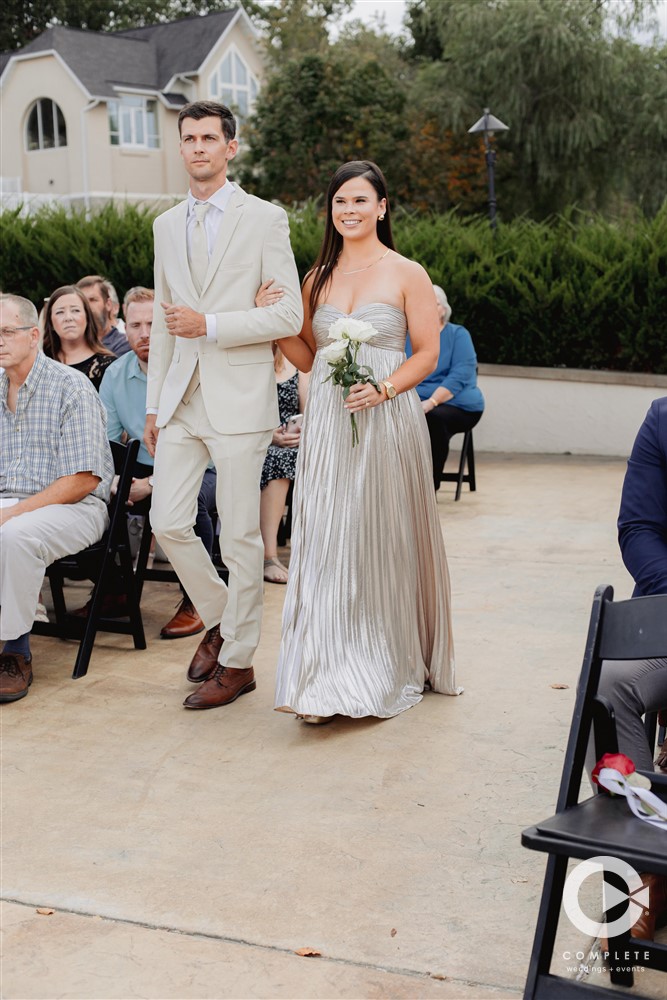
[[294, 423]]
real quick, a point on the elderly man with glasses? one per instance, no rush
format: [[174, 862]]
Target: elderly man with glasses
[[55, 473]]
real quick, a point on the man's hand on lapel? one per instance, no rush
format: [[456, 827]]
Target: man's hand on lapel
[[184, 322]]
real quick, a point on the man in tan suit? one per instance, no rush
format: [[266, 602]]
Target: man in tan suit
[[212, 391]]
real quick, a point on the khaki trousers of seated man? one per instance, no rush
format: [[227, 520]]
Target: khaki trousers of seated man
[[32, 541], [184, 448]]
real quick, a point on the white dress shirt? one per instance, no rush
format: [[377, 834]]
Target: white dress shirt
[[212, 221]]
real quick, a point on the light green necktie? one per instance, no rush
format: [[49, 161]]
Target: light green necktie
[[199, 247]]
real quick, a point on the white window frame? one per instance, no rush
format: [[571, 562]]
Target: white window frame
[[217, 87], [133, 110], [39, 104]]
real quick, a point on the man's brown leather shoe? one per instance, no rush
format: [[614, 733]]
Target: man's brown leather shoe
[[654, 915], [205, 659], [657, 906], [113, 606], [185, 622], [15, 676], [222, 688]]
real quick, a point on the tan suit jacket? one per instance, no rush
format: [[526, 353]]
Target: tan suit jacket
[[237, 379]]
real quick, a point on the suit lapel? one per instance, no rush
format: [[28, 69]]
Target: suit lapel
[[230, 221]]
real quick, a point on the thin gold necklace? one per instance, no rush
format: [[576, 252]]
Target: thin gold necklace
[[359, 269]]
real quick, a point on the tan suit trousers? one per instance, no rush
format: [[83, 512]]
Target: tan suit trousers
[[184, 448], [32, 541]]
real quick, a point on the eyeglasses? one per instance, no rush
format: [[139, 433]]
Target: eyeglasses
[[9, 332]]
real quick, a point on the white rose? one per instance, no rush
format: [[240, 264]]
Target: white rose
[[361, 332], [356, 330], [334, 352], [338, 329]]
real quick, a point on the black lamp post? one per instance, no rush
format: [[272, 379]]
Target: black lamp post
[[488, 124]]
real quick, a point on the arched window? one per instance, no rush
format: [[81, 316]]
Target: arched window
[[46, 127], [233, 83]]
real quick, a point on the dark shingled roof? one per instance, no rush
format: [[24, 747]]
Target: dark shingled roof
[[98, 59], [182, 46], [140, 57], [173, 99]]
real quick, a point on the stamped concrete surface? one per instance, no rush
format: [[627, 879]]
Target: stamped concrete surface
[[191, 854]]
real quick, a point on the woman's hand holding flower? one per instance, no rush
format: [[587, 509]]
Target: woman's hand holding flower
[[360, 387], [363, 397]]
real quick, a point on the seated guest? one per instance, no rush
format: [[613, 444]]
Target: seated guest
[[123, 393], [450, 397], [55, 473], [280, 462], [640, 686], [103, 301], [71, 334], [635, 687], [116, 319]]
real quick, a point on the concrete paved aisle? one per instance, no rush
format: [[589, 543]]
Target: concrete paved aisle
[[190, 854]]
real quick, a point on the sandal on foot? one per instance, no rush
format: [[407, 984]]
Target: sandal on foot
[[316, 720], [274, 571]]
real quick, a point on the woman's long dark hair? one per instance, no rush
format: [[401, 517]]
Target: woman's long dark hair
[[333, 241], [52, 343]]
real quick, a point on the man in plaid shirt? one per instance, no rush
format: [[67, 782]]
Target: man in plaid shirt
[[55, 474]]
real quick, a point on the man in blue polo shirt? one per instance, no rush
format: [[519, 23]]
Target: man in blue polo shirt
[[125, 401]]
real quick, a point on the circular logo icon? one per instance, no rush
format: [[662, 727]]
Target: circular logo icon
[[636, 896]]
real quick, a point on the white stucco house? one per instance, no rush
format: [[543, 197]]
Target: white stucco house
[[90, 116]]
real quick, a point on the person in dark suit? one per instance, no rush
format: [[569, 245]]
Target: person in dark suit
[[635, 687], [639, 686]]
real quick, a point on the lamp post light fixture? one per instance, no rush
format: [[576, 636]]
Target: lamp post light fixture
[[488, 124]]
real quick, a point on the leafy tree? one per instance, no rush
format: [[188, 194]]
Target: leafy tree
[[295, 27], [640, 126], [315, 113], [553, 72]]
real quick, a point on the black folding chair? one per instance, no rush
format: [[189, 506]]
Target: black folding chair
[[467, 459], [599, 825], [97, 562]]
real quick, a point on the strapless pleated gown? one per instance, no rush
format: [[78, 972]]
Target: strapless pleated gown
[[366, 620]]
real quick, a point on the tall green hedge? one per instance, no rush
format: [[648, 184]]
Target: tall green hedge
[[575, 291], [54, 247]]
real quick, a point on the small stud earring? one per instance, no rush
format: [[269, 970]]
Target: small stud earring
[[381, 217]]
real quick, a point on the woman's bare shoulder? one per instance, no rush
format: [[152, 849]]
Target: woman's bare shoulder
[[409, 275], [307, 283], [407, 266]]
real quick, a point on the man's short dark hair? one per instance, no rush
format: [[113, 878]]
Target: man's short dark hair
[[91, 280], [210, 109]]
